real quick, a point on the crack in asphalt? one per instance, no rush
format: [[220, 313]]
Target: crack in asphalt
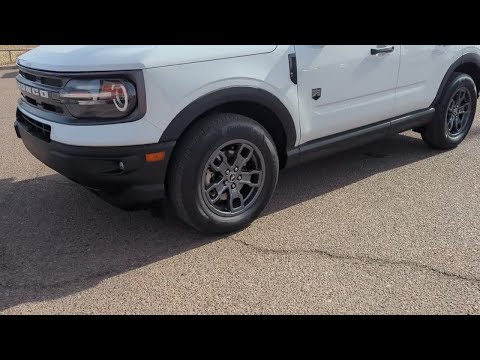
[[365, 259]]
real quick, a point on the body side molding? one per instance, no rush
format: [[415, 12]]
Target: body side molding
[[351, 138]]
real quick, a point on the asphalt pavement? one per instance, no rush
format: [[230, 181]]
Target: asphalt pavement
[[388, 228]]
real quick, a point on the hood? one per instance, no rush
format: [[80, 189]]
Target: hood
[[72, 58]]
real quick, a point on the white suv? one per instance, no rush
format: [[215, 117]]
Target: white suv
[[209, 127]]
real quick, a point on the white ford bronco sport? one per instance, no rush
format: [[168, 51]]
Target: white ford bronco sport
[[209, 127]]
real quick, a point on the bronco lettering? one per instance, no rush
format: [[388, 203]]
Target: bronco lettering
[[31, 90]]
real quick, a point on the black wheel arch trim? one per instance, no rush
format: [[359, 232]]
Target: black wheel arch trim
[[235, 94], [465, 58]]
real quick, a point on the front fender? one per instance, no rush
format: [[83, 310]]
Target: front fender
[[235, 94]]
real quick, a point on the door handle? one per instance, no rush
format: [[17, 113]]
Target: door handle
[[387, 49]]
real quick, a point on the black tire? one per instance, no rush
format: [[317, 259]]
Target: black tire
[[189, 162], [437, 133]]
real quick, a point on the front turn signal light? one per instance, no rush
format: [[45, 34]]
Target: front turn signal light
[[154, 157]]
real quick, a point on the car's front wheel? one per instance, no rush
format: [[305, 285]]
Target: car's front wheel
[[224, 172]]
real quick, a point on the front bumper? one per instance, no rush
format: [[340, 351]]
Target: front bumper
[[120, 175]]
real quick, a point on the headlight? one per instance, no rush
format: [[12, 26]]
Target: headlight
[[99, 98]]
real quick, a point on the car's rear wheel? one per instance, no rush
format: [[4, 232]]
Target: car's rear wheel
[[454, 113], [223, 173]]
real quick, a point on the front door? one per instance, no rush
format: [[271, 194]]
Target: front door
[[343, 87]]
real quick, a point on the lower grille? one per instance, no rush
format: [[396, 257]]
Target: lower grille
[[34, 127], [43, 105]]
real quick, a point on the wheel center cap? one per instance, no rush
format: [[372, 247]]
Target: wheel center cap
[[232, 177]]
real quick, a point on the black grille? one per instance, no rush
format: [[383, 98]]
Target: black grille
[[44, 105], [42, 79], [31, 101], [34, 127], [53, 108]]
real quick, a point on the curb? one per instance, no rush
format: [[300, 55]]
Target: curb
[[8, 67]]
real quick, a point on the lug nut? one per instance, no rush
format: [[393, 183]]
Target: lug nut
[[236, 168], [239, 177], [226, 183], [227, 172], [233, 186]]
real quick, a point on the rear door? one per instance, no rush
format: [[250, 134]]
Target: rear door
[[422, 68], [343, 87]]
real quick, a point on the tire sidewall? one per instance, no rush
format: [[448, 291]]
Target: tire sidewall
[[461, 80], [199, 214]]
